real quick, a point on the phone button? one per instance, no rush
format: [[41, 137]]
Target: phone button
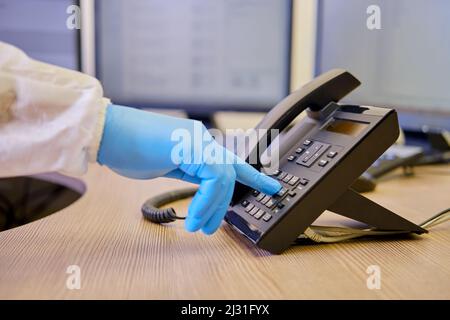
[[280, 205], [293, 181], [282, 175], [312, 154], [282, 192], [322, 163], [253, 211], [260, 197], [287, 178], [269, 203], [249, 207], [267, 217], [299, 150], [275, 173], [245, 203], [304, 181], [331, 154], [307, 142], [259, 214], [265, 199], [291, 158]]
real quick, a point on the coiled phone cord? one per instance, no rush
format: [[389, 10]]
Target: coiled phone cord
[[322, 234], [151, 208]]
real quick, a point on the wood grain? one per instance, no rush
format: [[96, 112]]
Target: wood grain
[[123, 256]]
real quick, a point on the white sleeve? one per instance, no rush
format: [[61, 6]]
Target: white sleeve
[[51, 118]]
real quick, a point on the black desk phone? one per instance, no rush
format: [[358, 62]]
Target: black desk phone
[[320, 158]]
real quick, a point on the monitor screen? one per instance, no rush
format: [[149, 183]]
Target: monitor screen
[[194, 54], [39, 28], [405, 64]]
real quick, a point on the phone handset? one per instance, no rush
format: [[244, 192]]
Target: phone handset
[[315, 95]]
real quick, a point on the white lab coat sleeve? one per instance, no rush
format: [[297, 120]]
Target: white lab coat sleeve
[[51, 118]]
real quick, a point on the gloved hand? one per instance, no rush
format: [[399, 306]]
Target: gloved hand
[[144, 145]]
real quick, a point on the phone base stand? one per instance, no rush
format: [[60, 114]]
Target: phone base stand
[[357, 207]]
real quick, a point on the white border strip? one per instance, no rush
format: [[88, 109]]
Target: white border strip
[[304, 31], [87, 37]]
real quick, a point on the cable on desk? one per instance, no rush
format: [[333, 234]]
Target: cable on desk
[[337, 234], [322, 234]]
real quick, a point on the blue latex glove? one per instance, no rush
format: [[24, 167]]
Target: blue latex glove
[[141, 145]]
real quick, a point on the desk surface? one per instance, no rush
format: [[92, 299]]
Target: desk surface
[[121, 255]]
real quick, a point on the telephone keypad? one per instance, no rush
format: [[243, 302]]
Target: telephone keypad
[[275, 202], [312, 155]]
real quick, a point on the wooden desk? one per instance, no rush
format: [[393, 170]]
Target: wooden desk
[[123, 256]]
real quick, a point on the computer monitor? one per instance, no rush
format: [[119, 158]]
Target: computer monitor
[[405, 64], [39, 28], [197, 55]]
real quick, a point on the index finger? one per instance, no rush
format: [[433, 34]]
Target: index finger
[[251, 177]]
